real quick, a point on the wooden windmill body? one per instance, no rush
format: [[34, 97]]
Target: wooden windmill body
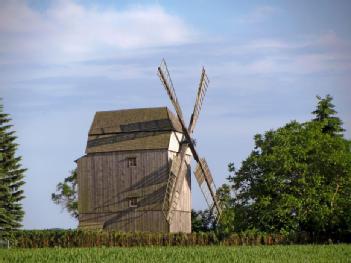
[[135, 175]]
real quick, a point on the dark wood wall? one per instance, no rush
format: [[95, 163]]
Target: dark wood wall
[[106, 185]]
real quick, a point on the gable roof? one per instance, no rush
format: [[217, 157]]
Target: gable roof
[[132, 129], [133, 120]]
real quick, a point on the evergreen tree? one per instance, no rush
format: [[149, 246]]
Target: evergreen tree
[[325, 113], [11, 178]]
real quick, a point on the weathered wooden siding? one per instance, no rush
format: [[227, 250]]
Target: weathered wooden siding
[[181, 221], [106, 184], [128, 221]]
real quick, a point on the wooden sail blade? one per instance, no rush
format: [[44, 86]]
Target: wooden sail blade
[[179, 165], [205, 180], [166, 80], [199, 100], [176, 178], [173, 171]]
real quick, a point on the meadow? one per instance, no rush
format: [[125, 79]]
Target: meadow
[[276, 253]]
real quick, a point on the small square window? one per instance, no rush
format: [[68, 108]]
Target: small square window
[[133, 202], [132, 162]]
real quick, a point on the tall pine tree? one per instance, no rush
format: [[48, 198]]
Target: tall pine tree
[[11, 178], [325, 112]]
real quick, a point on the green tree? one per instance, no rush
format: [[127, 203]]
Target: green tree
[[325, 113], [11, 177], [66, 194], [202, 220], [297, 178], [225, 225], [205, 221]]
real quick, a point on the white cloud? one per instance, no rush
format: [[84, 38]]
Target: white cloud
[[326, 53], [67, 30]]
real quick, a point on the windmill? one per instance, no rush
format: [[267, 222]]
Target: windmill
[[177, 171], [135, 174]]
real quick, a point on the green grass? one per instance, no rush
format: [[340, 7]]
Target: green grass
[[292, 253]]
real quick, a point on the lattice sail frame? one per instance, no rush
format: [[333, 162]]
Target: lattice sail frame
[[166, 80], [202, 176], [176, 177], [177, 173], [204, 81]]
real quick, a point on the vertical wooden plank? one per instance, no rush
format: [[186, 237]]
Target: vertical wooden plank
[[92, 187], [111, 181], [94, 182], [87, 184], [114, 182], [97, 183], [103, 177], [117, 181], [108, 183]]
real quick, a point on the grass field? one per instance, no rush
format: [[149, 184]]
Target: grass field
[[293, 253]]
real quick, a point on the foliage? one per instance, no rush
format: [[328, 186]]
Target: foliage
[[66, 194], [11, 178], [205, 221], [99, 238], [93, 238], [325, 113], [202, 221], [297, 178], [102, 238], [225, 225]]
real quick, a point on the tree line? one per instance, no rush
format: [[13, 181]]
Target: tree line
[[296, 179]]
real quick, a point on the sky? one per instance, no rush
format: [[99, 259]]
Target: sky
[[61, 61]]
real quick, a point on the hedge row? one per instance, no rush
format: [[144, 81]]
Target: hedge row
[[80, 238], [96, 238]]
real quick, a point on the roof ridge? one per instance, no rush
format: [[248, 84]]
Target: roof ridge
[[146, 108]]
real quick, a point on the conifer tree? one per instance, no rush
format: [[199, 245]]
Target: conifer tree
[[11, 178], [325, 112]]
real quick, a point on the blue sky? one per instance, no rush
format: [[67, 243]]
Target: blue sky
[[61, 61]]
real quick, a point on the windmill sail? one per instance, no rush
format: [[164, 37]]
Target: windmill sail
[[175, 182], [205, 180], [199, 100], [166, 80], [179, 165], [178, 168]]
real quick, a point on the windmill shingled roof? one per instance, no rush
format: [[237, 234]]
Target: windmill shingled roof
[[132, 129], [131, 120]]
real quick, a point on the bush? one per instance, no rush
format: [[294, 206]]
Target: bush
[[101, 238]]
